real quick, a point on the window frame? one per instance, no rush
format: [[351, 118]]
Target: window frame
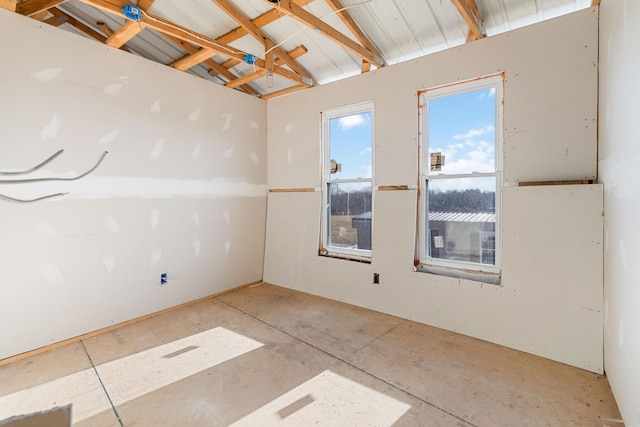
[[424, 262], [326, 117]]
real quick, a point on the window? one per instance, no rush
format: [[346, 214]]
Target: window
[[347, 139], [460, 178]]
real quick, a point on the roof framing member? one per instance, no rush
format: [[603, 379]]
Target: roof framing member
[[200, 55], [59, 18], [215, 67], [129, 29], [469, 12], [9, 5], [257, 33], [168, 28], [355, 29], [312, 21], [32, 7]]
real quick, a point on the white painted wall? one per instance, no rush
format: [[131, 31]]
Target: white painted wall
[[619, 164], [550, 301], [182, 190]]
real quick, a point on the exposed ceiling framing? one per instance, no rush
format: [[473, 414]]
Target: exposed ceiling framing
[[270, 48]]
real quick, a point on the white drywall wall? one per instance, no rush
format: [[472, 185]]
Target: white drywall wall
[[550, 301], [619, 165], [182, 190]]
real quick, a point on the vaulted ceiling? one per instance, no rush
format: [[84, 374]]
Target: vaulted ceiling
[[269, 48]]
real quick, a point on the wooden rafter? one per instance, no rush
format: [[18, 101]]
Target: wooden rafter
[[108, 32], [312, 21], [215, 67], [294, 53], [200, 55], [168, 28], [257, 33], [130, 28], [351, 24], [469, 12], [246, 78], [32, 7], [40, 16], [9, 5], [595, 2], [59, 18], [284, 91]]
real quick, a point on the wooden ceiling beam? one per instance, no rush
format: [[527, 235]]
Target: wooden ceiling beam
[[125, 33], [169, 28], [282, 92], [10, 5], [197, 57], [40, 16], [63, 18], [108, 32], [246, 78], [130, 28], [469, 12], [257, 33], [312, 21], [215, 67], [294, 53], [355, 29], [32, 7]]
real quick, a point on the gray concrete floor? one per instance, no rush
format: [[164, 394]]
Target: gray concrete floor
[[267, 355]]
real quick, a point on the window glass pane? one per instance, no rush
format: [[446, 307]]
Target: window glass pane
[[462, 128], [350, 145], [461, 220], [349, 214]]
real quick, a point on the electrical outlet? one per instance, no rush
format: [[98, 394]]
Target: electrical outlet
[[163, 279], [376, 278]]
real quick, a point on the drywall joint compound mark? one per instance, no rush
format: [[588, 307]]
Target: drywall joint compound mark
[[426, 402], [106, 393]]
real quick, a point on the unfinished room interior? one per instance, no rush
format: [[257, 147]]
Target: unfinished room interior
[[319, 212]]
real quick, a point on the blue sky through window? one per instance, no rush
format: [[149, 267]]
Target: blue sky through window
[[351, 145], [462, 127]]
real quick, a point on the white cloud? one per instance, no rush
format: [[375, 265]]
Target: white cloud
[[472, 133], [366, 151], [490, 94], [352, 121]]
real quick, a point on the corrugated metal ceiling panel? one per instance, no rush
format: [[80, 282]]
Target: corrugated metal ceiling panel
[[400, 29]]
